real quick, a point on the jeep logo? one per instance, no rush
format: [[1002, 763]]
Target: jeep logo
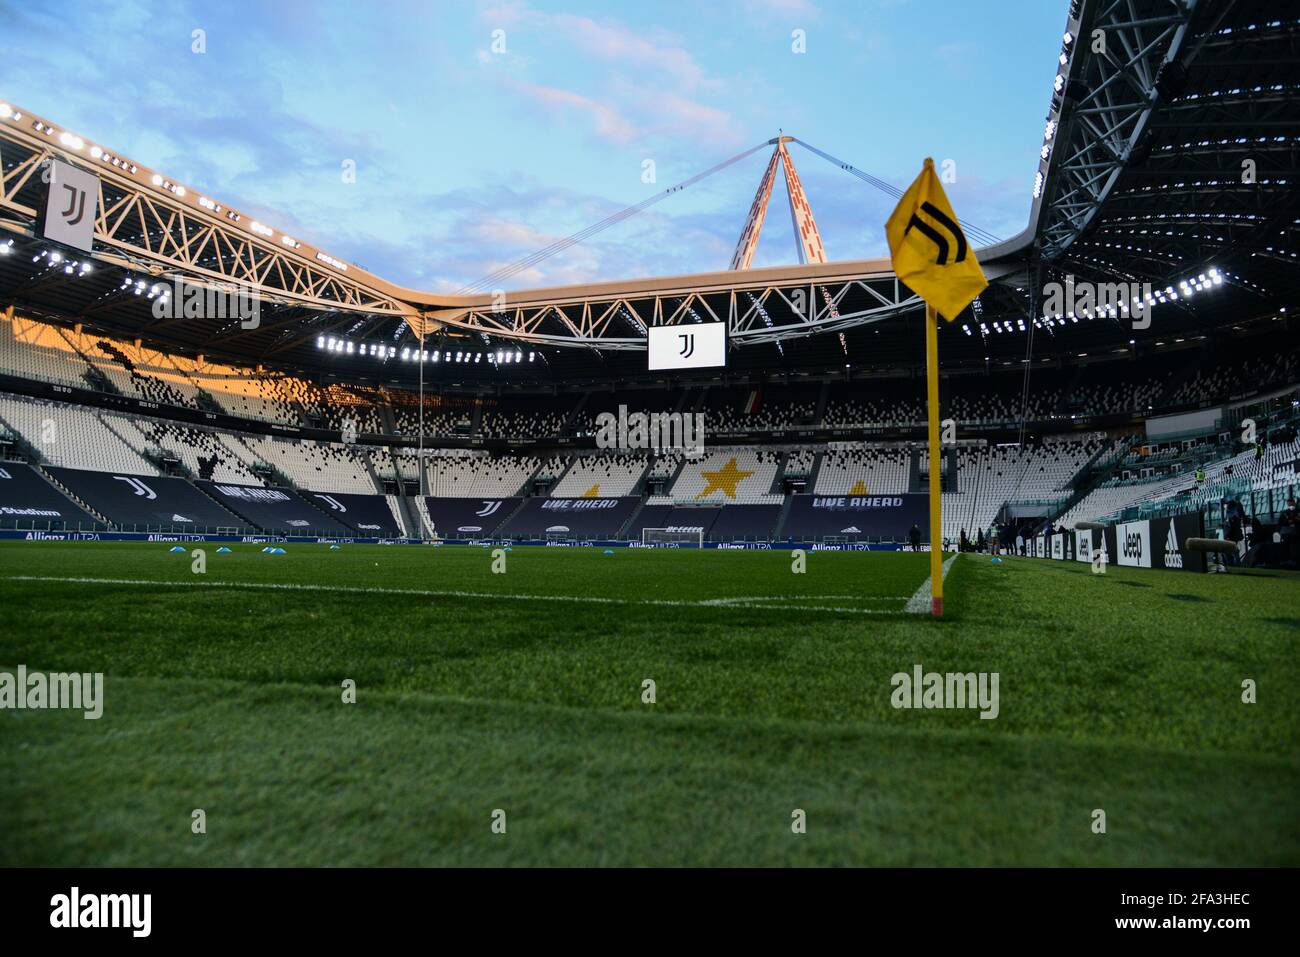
[[1132, 545]]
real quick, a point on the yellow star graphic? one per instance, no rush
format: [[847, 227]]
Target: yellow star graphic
[[593, 492], [859, 488], [724, 479]]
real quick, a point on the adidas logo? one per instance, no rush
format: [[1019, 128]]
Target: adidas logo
[[1173, 557]]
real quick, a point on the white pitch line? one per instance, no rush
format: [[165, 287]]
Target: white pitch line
[[429, 593], [919, 604], [757, 599]]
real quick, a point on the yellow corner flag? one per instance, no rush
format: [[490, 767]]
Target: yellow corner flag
[[929, 250], [931, 255]]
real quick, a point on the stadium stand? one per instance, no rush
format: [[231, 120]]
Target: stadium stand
[[369, 516], [313, 465], [148, 502], [733, 492], [863, 472], [570, 519], [595, 476], [743, 476], [202, 453], [275, 510], [467, 518], [74, 436], [28, 500], [478, 476], [743, 523]]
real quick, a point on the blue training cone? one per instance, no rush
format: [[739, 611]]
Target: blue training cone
[[223, 550], [177, 548], [609, 551]]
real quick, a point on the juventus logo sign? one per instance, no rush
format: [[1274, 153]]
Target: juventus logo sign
[[137, 487], [77, 202], [69, 213], [698, 345], [939, 240]]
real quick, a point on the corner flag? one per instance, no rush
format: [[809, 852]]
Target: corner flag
[[929, 249], [931, 255]]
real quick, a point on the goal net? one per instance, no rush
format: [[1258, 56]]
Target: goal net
[[673, 537]]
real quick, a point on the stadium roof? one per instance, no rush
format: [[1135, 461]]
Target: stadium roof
[[1169, 154]]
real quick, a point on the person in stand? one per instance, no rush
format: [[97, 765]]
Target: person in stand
[[1288, 528], [914, 537], [1233, 528]]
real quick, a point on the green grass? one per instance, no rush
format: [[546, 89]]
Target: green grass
[[1120, 692]]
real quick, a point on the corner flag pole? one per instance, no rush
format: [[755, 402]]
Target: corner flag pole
[[936, 524], [931, 254]]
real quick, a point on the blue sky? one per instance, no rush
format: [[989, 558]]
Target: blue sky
[[467, 159]]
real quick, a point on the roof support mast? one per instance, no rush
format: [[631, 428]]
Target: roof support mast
[[808, 239]]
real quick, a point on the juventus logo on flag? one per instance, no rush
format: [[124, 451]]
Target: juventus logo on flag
[[70, 206], [939, 240], [929, 249]]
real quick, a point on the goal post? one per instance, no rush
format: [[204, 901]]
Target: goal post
[[673, 537]]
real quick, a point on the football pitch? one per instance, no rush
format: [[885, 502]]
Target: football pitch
[[521, 697]]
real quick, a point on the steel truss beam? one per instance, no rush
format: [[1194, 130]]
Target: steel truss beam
[[753, 313], [1098, 132], [144, 227]]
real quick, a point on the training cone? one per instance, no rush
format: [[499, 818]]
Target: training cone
[[334, 548], [223, 550], [177, 548]]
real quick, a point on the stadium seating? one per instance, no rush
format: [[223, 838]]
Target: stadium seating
[[369, 516], [478, 476], [742, 476], [148, 501], [320, 466], [731, 492], [74, 436], [863, 472], [27, 500], [467, 518], [35, 350], [594, 476], [275, 510], [569, 518]]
